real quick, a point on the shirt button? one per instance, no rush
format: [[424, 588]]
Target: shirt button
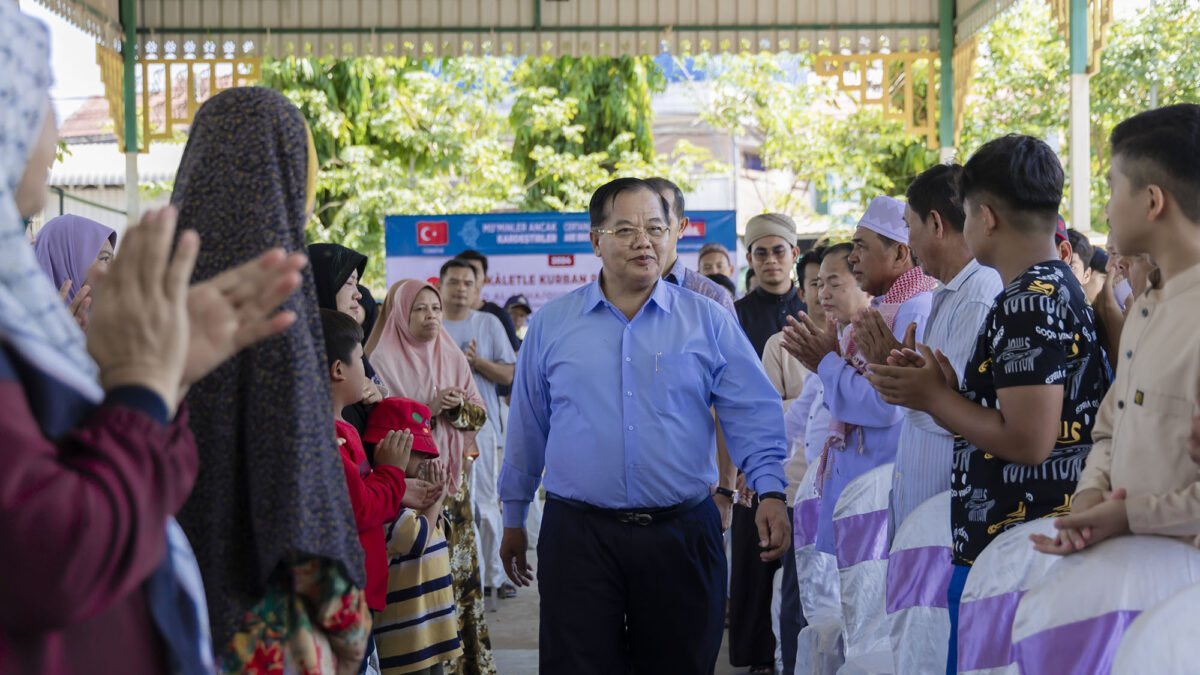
[[1129, 354], [628, 359], [629, 393], [630, 427], [1120, 405], [1145, 312]]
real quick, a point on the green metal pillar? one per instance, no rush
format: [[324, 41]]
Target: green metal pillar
[[129, 96], [946, 89], [1080, 163]]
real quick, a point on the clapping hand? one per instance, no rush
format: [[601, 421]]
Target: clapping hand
[[79, 305], [446, 399], [914, 386], [395, 449], [875, 340], [808, 342], [471, 353]]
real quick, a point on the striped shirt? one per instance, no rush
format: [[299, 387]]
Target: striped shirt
[[922, 467], [419, 627]]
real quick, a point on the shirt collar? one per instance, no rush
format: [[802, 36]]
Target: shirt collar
[[675, 274], [1182, 282], [961, 278], [767, 296], [662, 296]]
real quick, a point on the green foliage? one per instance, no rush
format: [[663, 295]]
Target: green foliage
[[411, 136], [1021, 80], [596, 106], [806, 128]]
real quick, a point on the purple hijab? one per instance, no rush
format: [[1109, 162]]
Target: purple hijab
[[67, 246]]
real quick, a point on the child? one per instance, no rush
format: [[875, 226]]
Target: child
[[1023, 418], [374, 494], [418, 630], [1144, 430]]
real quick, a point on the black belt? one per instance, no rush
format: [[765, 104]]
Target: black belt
[[641, 517]]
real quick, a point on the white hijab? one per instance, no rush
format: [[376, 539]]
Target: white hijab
[[33, 320]]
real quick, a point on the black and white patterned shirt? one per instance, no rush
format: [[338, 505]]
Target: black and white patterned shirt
[[1041, 331]]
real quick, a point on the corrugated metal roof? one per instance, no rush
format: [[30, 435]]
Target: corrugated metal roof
[[451, 27], [102, 164]]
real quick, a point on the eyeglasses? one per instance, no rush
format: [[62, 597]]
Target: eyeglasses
[[628, 233], [779, 252]]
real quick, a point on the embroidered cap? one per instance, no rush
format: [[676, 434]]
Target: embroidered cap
[[401, 414], [770, 224], [885, 216]]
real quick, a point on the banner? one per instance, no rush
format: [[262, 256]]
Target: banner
[[539, 255]]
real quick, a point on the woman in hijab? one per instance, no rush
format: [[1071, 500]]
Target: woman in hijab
[[269, 516], [74, 251], [416, 358], [97, 577], [337, 271]]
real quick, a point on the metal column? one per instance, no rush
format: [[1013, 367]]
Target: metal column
[[1080, 163], [129, 94], [946, 87]]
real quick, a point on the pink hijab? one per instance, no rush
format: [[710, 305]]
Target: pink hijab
[[417, 370]]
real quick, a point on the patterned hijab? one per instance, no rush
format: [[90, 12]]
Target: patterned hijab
[[33, 321], [67, 246], [332, 265], [270, 480], [414, 369]]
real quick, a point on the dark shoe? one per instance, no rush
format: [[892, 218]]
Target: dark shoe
[[507, 591]]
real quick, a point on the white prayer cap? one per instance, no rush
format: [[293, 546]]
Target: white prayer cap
[[885, 216]]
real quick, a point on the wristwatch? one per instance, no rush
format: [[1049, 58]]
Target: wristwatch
[[772, 495], [724, 492]]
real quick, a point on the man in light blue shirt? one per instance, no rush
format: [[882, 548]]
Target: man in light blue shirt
[[612, 398]]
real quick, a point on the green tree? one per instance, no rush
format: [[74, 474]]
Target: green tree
[[807, 128], [412, 136]]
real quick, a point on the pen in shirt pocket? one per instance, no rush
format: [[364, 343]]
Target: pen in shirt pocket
[[656, 361]]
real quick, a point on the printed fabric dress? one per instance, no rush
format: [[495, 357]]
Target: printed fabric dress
[[468, 588]]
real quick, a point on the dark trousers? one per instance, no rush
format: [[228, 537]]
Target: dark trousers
[[751, 640], [791, 614], [622, 598]]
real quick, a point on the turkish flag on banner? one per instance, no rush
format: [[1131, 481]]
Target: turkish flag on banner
[[433, 233]]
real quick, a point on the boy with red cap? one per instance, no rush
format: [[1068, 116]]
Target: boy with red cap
[[418, 630], [374, 494]]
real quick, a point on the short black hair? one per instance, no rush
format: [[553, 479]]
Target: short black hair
[[602, 198], [455, 263], [662, 185], [749, 275], [810, 257], [1021, 171], [1099, 260], [844, 249], [342, 335], [1162, 147], [936, 189], [472, 254], [1081, 247], [725, 282]]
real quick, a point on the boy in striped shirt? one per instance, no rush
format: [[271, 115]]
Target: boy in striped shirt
[[418, 629]]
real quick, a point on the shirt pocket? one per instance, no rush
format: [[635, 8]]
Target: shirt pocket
[[680, 381]]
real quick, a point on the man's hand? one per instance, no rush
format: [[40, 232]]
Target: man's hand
[[1086, 527], [913, 387], [471, 353], [774, 529], [807, 342], [229, 312], [512, 553], [875, 340]]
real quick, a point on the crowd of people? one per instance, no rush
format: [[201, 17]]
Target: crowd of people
[[222, 455]]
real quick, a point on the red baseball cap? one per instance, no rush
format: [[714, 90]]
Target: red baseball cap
[[401, 414], [1060, 231]]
